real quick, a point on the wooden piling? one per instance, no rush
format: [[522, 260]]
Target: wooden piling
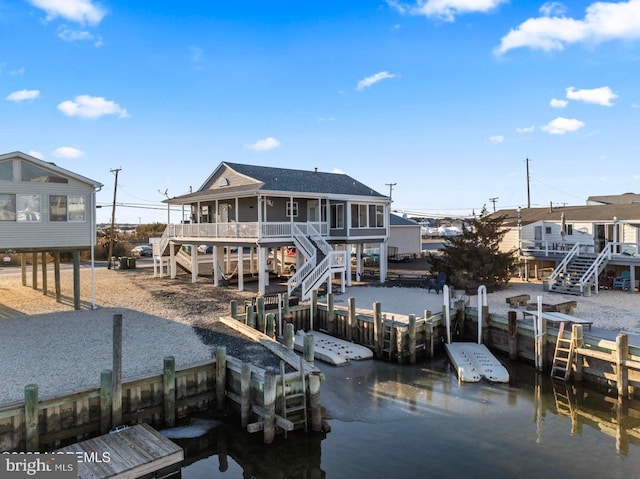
[[106, 398], [270, 322], [245, 393], [313, 313], [622, 373], [43, 256], [34, 270], [23, 268], [269, 419], [412, 338], [308, 348], [76, 280], [377, 328], [233, 309], [285, 303], [331, 314], [56, 274], [288, 335], [314, 402], [32, 428], [251, 317], [351, 318], [512, 318], [260, 320], [221, 376], [169, 391], [116, 401]]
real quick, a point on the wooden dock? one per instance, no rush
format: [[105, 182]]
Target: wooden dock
[[137, 451]]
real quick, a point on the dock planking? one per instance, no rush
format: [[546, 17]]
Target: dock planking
[[136, 451]]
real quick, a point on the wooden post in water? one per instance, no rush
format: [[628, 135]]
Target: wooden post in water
[[285, 304], [260, 322], [245, 393], [622, 373], [269, 419], [34, 270], [486, 325], [233, 309], [23, 268], [271, 325], [106, 397], [412, 338], [288, 335], [512, 318], [116, 410], [314, 402], [221, 376], [251, 317], [351, 318], [56, 274], [43, 256], [76, 280], [377, 328], [576, 332], [308, 348], [331, 314], [32, 429], [169, 390], [313, 309]]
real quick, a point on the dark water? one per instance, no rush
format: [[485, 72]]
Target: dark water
[[400, 421]]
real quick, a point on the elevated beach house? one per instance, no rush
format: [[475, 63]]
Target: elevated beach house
[[573, 247], [260, 219], [45, 209]]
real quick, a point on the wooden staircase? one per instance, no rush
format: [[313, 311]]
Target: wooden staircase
[[568, 281], [564, 352], [294, 404]]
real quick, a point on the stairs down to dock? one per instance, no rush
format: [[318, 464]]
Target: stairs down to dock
[[568, 281]]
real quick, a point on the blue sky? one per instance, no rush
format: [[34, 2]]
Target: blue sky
[[444, 98]]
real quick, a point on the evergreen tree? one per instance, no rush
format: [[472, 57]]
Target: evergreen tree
[[475, 254]]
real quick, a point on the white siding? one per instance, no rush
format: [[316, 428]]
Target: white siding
[[407, 239]]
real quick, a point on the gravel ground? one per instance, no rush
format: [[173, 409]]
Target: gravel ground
[[62, 350]]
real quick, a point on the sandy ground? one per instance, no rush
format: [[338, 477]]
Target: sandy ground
[[61, 350]]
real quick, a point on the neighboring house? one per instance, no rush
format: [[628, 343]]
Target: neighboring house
[[623, 199], [602, 236], [405, 237], [45, 208], [254, 212]]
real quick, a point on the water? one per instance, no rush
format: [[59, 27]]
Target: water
[[417, 421]]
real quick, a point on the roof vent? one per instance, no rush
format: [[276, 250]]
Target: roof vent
[[224, 182]]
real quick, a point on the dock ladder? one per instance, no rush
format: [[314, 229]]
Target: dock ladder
[[564, 352], [294, 403]]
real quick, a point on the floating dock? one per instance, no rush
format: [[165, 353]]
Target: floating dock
[[135, 451], [474, 362], [332, 350]]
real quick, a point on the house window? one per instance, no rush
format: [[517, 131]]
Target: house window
[[292, 209], [224, 182], [6, 170], [337, 216], [568, 230], [547, 230], [31, 172], [76, 208], [57, 208], [7, 207], [376, 216], [359, 216], [28, 208]]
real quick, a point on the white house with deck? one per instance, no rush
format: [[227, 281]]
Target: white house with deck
[[252, 214]]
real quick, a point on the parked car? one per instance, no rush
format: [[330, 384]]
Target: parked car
[[289, 260], [142, 250], [205, 249]]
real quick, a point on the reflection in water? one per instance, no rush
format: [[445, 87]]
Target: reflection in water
[[392, 420]]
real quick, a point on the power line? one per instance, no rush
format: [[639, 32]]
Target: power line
[[494, 200]]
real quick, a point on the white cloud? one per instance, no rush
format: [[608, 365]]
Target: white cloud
[[603, 21], [264, 145], [600, 96], [561, 125], [338, 171], [70, 35], [36, 154], [84, 12], [373, 79], [527, 129], [556, 103], [86, 106], [445, 10], [68, 152], [496, 139], [23, 95], [553, 8]]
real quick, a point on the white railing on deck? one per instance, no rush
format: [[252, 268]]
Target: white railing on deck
[[241, 230], [562, 267], [596, 266], [547, 248]]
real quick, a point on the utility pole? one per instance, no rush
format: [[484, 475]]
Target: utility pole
[[493, 200], [528, 191], [390, 185], [168, 205], [113, 216]]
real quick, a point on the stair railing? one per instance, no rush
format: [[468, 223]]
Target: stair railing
[[562, 267], [596, 267]]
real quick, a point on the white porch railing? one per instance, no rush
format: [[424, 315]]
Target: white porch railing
[[591, 274], [251, 230], [547, 248], [562, 267]]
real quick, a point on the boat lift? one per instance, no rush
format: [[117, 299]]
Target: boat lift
[[473, 361]]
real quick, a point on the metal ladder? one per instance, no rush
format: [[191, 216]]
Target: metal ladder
[[563, 355], [295, 402]]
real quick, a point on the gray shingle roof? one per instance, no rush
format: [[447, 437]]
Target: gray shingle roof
[[400, 221], [285, 179], [623, 199], [596, 213]]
